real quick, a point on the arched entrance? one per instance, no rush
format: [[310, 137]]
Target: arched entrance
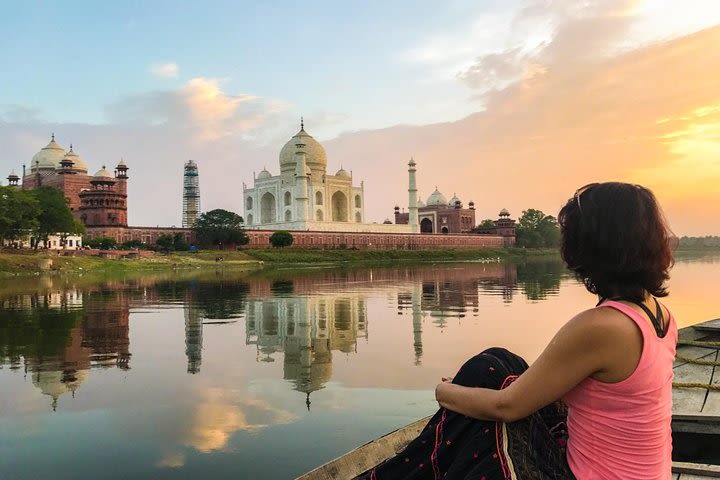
[[444, 230], [339, 207], [426, 226], [267, 208], [319, 215]]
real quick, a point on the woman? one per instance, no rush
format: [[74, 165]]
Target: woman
[[611, 365]]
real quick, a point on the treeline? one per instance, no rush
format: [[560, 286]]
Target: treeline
[[36, 214], [709, 241]]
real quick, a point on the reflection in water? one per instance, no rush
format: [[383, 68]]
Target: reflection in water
[[217, 358], [59, 336], [305, 330]]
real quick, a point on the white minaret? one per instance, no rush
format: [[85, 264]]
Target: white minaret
[[302, 178], [412, 193]]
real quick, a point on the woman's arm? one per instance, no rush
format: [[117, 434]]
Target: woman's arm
[[585, 345]]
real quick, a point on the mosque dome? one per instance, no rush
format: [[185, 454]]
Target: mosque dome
[[315, 155], [263, 175], [504, 213], [49, 157], [103, 173], [342, 173], [454, 200], [78, 163], [436, 198]]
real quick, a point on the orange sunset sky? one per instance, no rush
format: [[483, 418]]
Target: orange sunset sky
[[511, 104]]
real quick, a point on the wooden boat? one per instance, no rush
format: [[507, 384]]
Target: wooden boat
[[696, 416]]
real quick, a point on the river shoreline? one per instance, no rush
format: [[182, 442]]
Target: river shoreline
[[13, 264]]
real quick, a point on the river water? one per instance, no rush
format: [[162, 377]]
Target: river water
[[264, 375]]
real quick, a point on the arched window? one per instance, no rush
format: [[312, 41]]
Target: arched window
[[267, 208], [358, 217], [248, 203], [339, 207], [358, 203], [249, 219], [319, 215], [288, 198], [318, 198], [288, 216]]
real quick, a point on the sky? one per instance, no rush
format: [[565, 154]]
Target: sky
[[512, 104]]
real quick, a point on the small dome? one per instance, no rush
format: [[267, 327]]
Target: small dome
[[436, 198], [123, 164], [342, 173], [13, 175], [315, 155], [263, 175], [103, 173], [504, 213], [420, 203], [49, 157], [387, 222], [454, 200], [78, 163]]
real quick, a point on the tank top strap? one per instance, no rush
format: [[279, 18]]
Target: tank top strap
[[632, 313]]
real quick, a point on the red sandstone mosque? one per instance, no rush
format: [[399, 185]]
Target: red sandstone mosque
[[99, 201]]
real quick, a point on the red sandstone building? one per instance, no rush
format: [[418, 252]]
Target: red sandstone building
[[440, 216], [99, 201]]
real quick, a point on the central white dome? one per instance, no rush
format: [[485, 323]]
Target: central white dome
[[315, 155]]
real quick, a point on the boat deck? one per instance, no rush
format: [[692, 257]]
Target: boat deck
[[696, 410]]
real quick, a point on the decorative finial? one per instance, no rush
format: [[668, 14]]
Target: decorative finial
[[71, 147], [53, 136], [302, 123]]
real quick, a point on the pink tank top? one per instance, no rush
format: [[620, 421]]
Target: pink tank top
[[622, 430]]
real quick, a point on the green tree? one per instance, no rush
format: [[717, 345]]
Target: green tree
[[535, 229], [487, 223], [165, 242], [281, 239], [218, 227], [103, 243], [179, 243], [19, 211], [131, 244], [55, 216]]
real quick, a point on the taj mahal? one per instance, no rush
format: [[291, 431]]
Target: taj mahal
[[305, 197]]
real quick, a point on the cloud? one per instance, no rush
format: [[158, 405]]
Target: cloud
[[200, 109], [165, 70], [566, 123], [20, 114]]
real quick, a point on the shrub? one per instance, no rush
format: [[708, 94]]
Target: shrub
[[281, 239]]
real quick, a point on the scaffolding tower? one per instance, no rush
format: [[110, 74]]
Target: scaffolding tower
[[191, 195]]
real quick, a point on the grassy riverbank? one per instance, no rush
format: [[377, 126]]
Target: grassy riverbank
[[30, 263], [296, 256]]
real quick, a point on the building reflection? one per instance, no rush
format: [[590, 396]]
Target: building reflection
[[306, 330], [60, 335]]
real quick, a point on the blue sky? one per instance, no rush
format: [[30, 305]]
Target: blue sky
[[350, 60], [509, 103]]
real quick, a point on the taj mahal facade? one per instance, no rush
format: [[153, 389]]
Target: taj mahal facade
[[304, 197]]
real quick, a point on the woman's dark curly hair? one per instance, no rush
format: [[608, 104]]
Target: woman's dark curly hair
[[615, 239]]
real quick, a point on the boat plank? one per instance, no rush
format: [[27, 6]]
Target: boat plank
[[690, 401], [693, 471], [709, 326], [367, 456]]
